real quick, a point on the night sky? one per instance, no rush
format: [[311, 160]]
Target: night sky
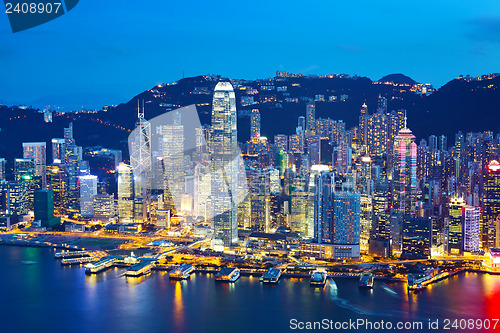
[[105, 52]]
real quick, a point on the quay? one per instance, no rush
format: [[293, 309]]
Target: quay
[[141, 268], [72, 254], [272, 275], [78, 261], [100, 265]]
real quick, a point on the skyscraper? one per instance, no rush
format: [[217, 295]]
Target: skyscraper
[[103, 207], [346, 216], [281, 142], [224, 165], [260, 192], [125, 193], [57, 179], [2, 168], [471, 228], [405, 171], [377, 134], [366, 210], [255, 124], [17, 197], [314, 149], [37, 152], [310, 119], [323, 200], [363, 125], [24, 169], [173, 162], [382, 104], [44, 208], [455, 226], [296, 143], [140, 160], [58, 149], [88, 189], [342, 157]]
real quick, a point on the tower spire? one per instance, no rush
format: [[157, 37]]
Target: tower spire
[[140, 113], [406, 120]]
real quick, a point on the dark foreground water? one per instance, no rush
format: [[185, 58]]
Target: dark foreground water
[[45, 297]]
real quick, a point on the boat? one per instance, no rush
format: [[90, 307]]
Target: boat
[[181, 272], [228, 274], [418, 287], [366, 280], [272, 275], [318, 278]]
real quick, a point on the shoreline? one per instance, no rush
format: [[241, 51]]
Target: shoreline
[[243, 271]]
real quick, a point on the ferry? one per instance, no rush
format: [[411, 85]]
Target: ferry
[[183, 272], [139, 269], [271, 276], [318, 278], [228, 274], [366, 280]]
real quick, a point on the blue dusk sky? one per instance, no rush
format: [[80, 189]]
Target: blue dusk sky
[[105, 52]]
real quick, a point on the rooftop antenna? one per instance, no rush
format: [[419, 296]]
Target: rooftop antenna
[[405, 120], [140, 114]]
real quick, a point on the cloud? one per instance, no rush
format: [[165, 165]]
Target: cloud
[[484, 29]]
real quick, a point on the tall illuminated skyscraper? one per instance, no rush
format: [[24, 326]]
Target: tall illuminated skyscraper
[[405, 171], [24, 169], [366, 211], [281, 142], [88, 189], [471, 228], [454, 229], [2, 168], [37, 152], [140, 160], [57, 179], [314, 149], [363, 125], [255, 124], [224, 165], [125, 193], [310, 119], [296, 143], [58, 149], [17, 197], [72, 158], [173, 162], [377, 134]]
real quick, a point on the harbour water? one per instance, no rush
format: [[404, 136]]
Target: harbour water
[[39, 295]]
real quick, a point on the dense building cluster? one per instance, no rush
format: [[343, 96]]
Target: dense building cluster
[[338, 192]]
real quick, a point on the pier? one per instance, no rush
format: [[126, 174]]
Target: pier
[[72, 254], [142, 268], [100, 265], [78, 261]]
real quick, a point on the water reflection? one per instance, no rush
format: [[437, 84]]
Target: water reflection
[[135, 280], [178, 310]]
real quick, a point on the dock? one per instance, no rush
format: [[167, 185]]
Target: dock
[[141, 268], [100, 265], [78, 261], [72, 254], [271, 276]]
